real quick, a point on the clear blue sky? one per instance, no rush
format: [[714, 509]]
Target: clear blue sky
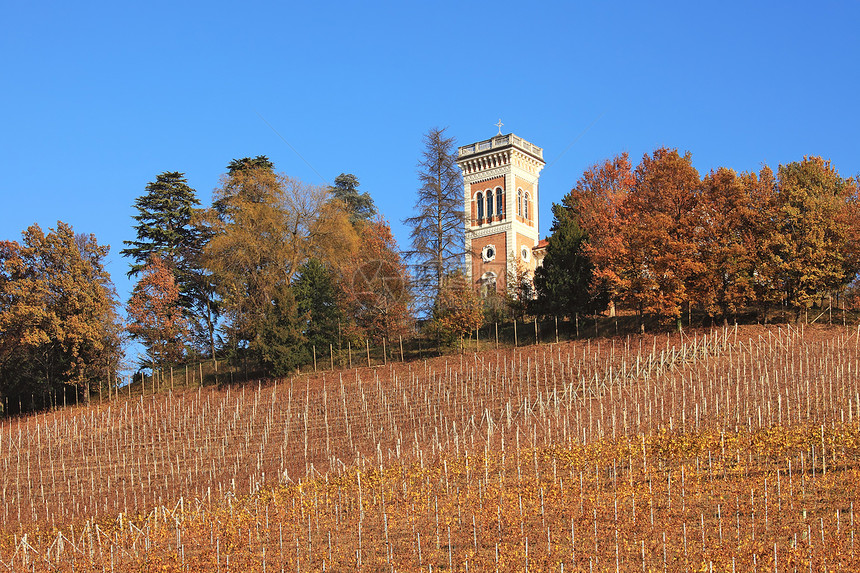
[[98, 98]]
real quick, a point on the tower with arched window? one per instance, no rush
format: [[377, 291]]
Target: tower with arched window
[[500, 177]]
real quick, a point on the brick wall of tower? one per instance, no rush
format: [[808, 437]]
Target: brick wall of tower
[[498, 265]]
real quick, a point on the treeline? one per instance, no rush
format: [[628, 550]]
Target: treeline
[[269, 274], [275, 272], [271, 270], [662, 241]]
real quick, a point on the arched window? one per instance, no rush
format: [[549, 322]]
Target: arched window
[[500, 201], [526, 209], [519, 202], [488, 284], [479, 198], [489, 203]]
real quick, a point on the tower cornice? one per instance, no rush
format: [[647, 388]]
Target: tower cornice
[[499, 143]]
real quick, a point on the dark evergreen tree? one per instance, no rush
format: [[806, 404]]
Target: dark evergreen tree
[[438, 242], [250, 178], [281, 344], [562, 282], [168, 226], [318, 302], [165, 229], [259, 162], [359, 205]]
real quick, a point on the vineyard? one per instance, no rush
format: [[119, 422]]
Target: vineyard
[[727, 450]]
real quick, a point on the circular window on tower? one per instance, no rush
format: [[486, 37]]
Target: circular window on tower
[[525, 252], [488, 253]]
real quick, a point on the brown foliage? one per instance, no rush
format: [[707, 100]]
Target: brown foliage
[[660, 247], [155, 316], [57, 309], [375, 284]]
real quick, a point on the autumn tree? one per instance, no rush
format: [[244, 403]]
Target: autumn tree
[[564, 281], [728, 239], [377, 293], [155, 314], [660, 251], [438, 242], [815, 231], [458, 309], [519, 295], [598, 203], [57, 313], [265, 226]]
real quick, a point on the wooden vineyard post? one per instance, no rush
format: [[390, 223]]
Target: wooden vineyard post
[[556, 329], [516, 341], [314, 348], [577, 325], [171, 378], [331, 354], [349, 352], [384, 352], [497, 335], [401, 348], [537, 338], [200, 364], [367, 347], [477, 339], [186, 375]]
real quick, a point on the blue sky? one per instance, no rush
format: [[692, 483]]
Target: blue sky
[[98, 98]]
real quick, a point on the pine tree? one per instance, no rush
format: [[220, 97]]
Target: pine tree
[[280, 342], [359, 205], [318, 301], [563, 281], [165, 229], [438, 241]]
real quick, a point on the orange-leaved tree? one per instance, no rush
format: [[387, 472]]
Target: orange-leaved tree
[[728, 239], [376, 286], [660, 252], [458, 309], [57, 313], [598, 205], [155, 315]]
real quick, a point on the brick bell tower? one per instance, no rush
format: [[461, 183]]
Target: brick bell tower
[[500, 178]]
